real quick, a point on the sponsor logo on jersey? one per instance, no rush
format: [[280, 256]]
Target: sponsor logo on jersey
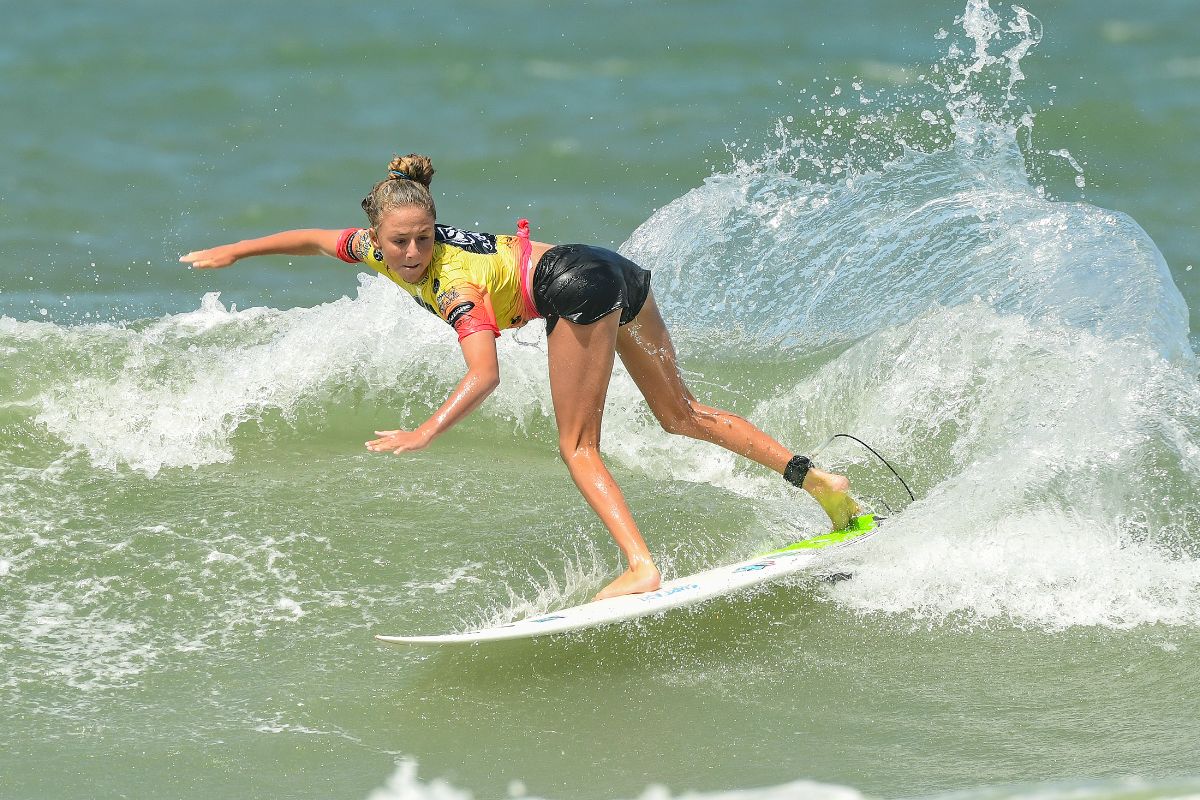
[[458, 312], [447, 299]]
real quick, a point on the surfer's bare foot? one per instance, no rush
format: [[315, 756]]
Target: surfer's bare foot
[[642, 578], [832, 492]]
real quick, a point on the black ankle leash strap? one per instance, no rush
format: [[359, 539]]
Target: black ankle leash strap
[[796, 470]]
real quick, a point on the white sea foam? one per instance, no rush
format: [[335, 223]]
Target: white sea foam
[[533, 592], [804, 265], [404, 784], [174, 392], [1059, 471]]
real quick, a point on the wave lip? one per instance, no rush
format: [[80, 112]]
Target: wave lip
[[792, 263], [878, 205]]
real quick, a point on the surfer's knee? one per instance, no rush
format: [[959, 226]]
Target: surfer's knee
[[676, 424], [683, 419], [574, 452]]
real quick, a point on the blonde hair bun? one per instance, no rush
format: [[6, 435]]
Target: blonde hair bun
[[411, 167]]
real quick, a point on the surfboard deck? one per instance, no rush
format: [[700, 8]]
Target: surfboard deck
[[674, 593]]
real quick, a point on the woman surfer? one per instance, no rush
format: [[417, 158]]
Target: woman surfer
[[481, 284]]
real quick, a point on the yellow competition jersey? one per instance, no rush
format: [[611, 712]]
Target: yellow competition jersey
[[473, 281]]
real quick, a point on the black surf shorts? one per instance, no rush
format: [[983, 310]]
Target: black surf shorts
[[584, 283]]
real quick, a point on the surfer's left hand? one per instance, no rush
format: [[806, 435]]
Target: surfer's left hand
[[398, 442]]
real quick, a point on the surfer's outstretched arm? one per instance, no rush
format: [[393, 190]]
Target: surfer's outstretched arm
[[302, 242], [482, 378]]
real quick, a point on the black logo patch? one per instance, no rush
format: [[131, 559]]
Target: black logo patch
[[458, 312], [472, 242]]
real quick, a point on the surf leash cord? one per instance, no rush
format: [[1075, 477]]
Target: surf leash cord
[[911, 496]]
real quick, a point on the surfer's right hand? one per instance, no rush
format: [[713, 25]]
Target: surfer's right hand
[[212, 258]]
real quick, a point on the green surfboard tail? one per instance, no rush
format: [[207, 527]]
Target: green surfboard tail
[[860, 525]]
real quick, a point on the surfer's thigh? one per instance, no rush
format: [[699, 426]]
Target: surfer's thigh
[[648, 354], [580, 360]]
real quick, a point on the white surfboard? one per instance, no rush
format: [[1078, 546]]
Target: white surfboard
[[672, 594]]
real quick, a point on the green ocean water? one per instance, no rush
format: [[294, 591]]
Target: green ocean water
[[965, 233]]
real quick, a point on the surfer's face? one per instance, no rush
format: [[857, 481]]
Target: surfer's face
[[405, 237]]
